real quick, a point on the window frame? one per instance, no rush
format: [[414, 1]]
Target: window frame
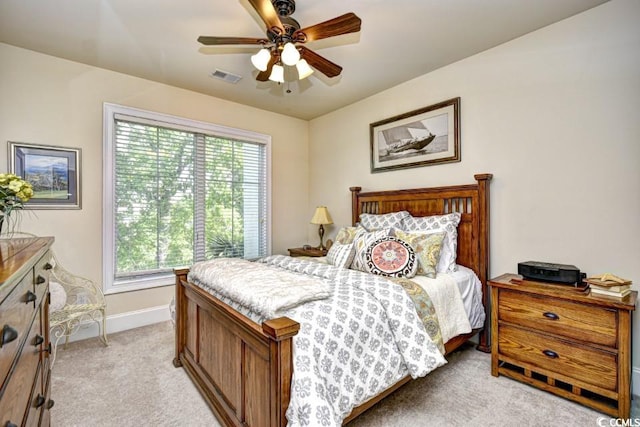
[[110, 285]]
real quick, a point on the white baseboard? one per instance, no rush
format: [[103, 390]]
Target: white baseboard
[[635, 381], [124, 321]]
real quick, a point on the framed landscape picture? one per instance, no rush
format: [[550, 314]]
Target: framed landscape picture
[[54, 173], [427, 136]]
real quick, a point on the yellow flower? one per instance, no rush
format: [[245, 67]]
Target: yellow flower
[[15, 186], [14, 192]]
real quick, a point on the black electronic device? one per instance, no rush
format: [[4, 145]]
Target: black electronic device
[[549, 272]]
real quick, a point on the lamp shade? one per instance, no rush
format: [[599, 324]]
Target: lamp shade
[[261, 59], [290, 55], [304, 70], [321, 216], [277, 74]]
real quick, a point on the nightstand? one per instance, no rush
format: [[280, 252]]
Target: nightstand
[[564, 341], [313, 252]]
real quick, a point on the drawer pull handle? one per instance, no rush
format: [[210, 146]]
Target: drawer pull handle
[[40, 401], [47, 266], [39, 340], [8, 334], [551, 316], [31, 297], [48, 348], [40, 280], [50, 403], [10, 424], [550, 353]]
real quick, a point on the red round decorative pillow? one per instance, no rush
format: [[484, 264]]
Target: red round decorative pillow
[[390, 256]]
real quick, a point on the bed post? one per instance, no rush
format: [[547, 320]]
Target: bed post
[[281, 331], [483, 256], [355, 191], [180, 313]]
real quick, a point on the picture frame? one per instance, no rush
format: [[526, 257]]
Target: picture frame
[[54, 173], [423, 137]]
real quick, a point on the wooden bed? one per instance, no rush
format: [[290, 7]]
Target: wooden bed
[[243, 369]]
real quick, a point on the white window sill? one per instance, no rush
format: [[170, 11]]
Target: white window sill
[[129, 285]]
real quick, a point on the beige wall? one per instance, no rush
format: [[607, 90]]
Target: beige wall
[[554, 115], [46, 100]]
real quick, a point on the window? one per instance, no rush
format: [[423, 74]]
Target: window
[[177, 191]]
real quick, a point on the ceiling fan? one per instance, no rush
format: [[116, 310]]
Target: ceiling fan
[[284, 44]]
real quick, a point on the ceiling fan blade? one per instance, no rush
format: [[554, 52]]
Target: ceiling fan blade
[[268, 14], [320, 63], [263, 76], [345, 24], [214, 41]]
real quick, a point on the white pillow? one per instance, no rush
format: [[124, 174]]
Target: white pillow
[[58, 296], [341, 255], [438, 223], [374, 222]]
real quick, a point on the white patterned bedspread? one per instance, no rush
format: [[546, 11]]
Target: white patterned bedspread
[[352, 345], [258, 287]]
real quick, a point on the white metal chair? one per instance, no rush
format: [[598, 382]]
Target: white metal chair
[[84, 302]]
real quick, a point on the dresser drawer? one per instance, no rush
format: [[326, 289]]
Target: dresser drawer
[[585, 364], [15, 401], [582, 322], [41, 276], [37, 402], [16, 313]]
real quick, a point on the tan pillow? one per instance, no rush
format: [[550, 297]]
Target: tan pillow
[[346, 234], [427, 248]]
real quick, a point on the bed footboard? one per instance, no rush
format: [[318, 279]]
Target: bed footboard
[[242, 369]]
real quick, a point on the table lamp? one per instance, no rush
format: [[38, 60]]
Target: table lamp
[[321, 217]]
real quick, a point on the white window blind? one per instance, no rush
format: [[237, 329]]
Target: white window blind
[[181, 192]]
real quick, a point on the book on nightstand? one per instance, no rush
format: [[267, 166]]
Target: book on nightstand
[[604, 291], [610, 285]]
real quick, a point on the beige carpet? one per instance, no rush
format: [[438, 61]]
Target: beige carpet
[[133, 383]]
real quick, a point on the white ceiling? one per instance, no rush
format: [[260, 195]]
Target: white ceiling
[[156, 40]]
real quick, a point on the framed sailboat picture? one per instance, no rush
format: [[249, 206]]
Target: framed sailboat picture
[[428, 136]]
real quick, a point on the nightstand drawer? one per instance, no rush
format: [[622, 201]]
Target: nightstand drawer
[[584, 364], [310, 252], [582, 322]]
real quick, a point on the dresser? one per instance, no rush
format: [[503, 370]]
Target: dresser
[[563, 340], [24, 344]]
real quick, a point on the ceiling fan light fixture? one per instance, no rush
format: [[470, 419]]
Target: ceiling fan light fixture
[[304, 70], [290, 55], [261, 59], [277, 74]]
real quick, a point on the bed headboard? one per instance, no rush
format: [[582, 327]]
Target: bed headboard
[[472, 201]]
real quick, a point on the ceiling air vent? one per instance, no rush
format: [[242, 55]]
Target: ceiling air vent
[[226, 76]]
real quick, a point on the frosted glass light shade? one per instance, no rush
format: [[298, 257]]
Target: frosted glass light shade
[[261, 59], [277, 74], [304, 70], [290, 55]]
